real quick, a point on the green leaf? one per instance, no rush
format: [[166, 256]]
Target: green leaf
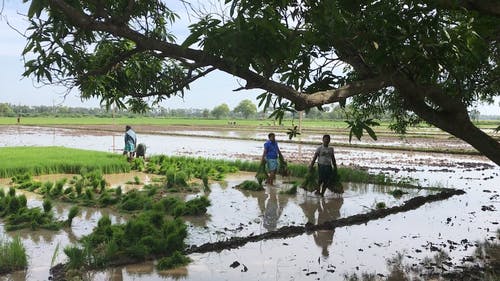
[[36, 7], [191, 39], [370, 132]]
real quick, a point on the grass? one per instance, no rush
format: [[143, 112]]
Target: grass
[[12, 255], [56, 160]]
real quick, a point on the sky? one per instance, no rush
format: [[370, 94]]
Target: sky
[[208, 92]]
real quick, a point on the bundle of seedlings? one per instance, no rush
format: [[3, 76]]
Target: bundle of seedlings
[[311, 180], [261, 173], [334, 184], [250, 185], [283, 167]]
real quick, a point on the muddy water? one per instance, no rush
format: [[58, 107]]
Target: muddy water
[[322, 255]]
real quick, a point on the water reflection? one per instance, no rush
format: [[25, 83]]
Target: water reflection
[[272, 207], [319, 210]]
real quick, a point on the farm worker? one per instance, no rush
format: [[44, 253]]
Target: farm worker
[[270, 157], [326, 158], [141, 151], [130, 142]]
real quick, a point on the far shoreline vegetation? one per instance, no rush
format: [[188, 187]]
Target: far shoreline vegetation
[[245, 113]]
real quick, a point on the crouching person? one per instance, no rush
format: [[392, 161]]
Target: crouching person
[[141, 151]]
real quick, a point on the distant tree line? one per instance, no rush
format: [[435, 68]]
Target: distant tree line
[[246, 109]]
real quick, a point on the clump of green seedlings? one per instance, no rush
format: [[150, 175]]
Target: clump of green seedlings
[[145, 237], [18, 216], [136, 181], [250, 185], [291, 191], [397, 193], [137, 200], [179, 170], [380, 205], [177, 259], [12, 255], [138, 164]]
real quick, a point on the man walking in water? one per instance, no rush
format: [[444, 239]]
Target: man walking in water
[[326, 158], [130, 142], [270, 157]]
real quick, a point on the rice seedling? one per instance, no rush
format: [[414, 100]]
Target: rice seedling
[[310, 182], [250, 185], [380, 205], [146, 237], [134, 200], [193, 207], [76, 257], [291, 191], [51, 160], [12, 255], [334, 184], [55, 254], [47, 205], [73, 212], [283, 167], [18, 216], [261, 173], [397, 193], [138, 164], [206, 187], [118, 191], [177, 259]]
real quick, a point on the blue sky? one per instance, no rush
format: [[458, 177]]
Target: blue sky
[[208, 92], [212, 90]]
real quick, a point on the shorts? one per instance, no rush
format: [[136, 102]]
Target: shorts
[[272, 164], [324, 173], [129, 147]]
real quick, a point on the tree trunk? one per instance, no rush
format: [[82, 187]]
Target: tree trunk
[[450, 116]]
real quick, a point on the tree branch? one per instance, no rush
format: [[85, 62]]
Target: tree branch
[[355, 88], [178, 86], [486, 7]]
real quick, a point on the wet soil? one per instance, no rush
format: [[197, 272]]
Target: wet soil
[[453, 225]]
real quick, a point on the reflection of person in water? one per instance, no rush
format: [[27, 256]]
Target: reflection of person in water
[[272, 208], [320, 211]]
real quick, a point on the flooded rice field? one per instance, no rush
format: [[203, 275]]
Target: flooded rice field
[[453, 226]]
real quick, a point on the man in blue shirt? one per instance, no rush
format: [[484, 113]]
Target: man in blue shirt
[[270, 156]]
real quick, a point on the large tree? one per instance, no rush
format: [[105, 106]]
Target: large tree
[[221, 110], [246, 108], [415, 60]]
